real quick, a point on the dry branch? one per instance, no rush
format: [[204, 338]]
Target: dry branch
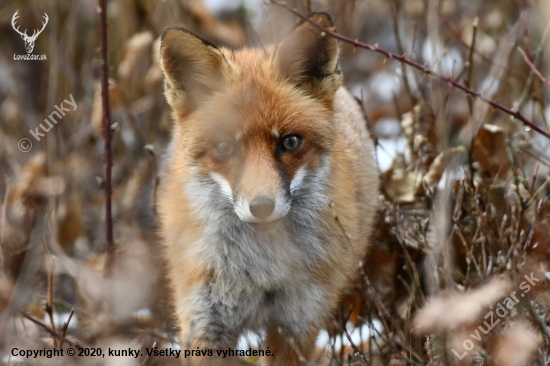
[[109, 244]]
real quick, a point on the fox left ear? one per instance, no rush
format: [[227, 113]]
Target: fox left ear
[[308, 57], [193, 68]]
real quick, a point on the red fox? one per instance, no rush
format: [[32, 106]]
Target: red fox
[[269, 192]]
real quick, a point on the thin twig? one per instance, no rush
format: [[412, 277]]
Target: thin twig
[[48, 329], [536, 157], [48, 306], [534, 179], [541, 322], [532, 228], [400, 49], [356, 352], [401, 58], [151, 150], [533, 67], [468, 81], [4, 218], [109, 244], [64, 328]]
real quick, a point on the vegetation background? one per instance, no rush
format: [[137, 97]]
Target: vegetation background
[[465, 185]]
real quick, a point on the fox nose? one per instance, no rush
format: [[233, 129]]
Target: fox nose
[[262, 207]]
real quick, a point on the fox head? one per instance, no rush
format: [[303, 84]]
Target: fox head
[[254, 128]]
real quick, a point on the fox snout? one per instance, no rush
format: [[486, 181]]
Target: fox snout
[[262, 212], [257, 201], [262, 207]]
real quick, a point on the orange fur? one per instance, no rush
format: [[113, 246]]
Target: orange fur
[[283, 270]]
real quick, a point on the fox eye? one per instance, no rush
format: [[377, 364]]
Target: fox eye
[[290, 143], [226, 148]]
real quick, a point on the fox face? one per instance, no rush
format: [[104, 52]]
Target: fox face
[[258, 156], [254, 127]]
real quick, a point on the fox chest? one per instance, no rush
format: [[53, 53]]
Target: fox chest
[[259, 263], [262, 278], [294, 307]]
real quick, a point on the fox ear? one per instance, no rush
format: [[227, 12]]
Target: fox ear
[[309, 57], [193, 68]]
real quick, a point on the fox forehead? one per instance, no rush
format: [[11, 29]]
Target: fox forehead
[[246, 110], [250, 63], [255, 103]]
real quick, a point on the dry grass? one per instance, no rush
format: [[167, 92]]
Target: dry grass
[[465, 186]]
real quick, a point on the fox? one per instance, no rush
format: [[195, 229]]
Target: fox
[[269, 192]]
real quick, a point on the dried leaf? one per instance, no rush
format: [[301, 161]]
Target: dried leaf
[[405, 186], [136, 57], [447, 313], [489, 150], [434, 174], [516, 346]]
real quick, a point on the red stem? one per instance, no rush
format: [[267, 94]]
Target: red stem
[[109, 244]]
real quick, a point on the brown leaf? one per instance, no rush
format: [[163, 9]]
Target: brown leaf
[[434, 174], [404, 186], [459, 309], [516, 346], [489, 150]]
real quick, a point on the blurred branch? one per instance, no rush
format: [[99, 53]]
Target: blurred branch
[[64, 328], [541, 322], [400, 49], [356, 352], [401, 58], [486, 59], [470, 64], [533, 67], [48, 306], [307, 4], [52, 332], [4, 217], [109, 245]]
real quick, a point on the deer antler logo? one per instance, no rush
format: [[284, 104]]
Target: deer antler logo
[[29, 40]]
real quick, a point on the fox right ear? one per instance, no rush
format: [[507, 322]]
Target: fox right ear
[[193, 68], [309, 57]]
